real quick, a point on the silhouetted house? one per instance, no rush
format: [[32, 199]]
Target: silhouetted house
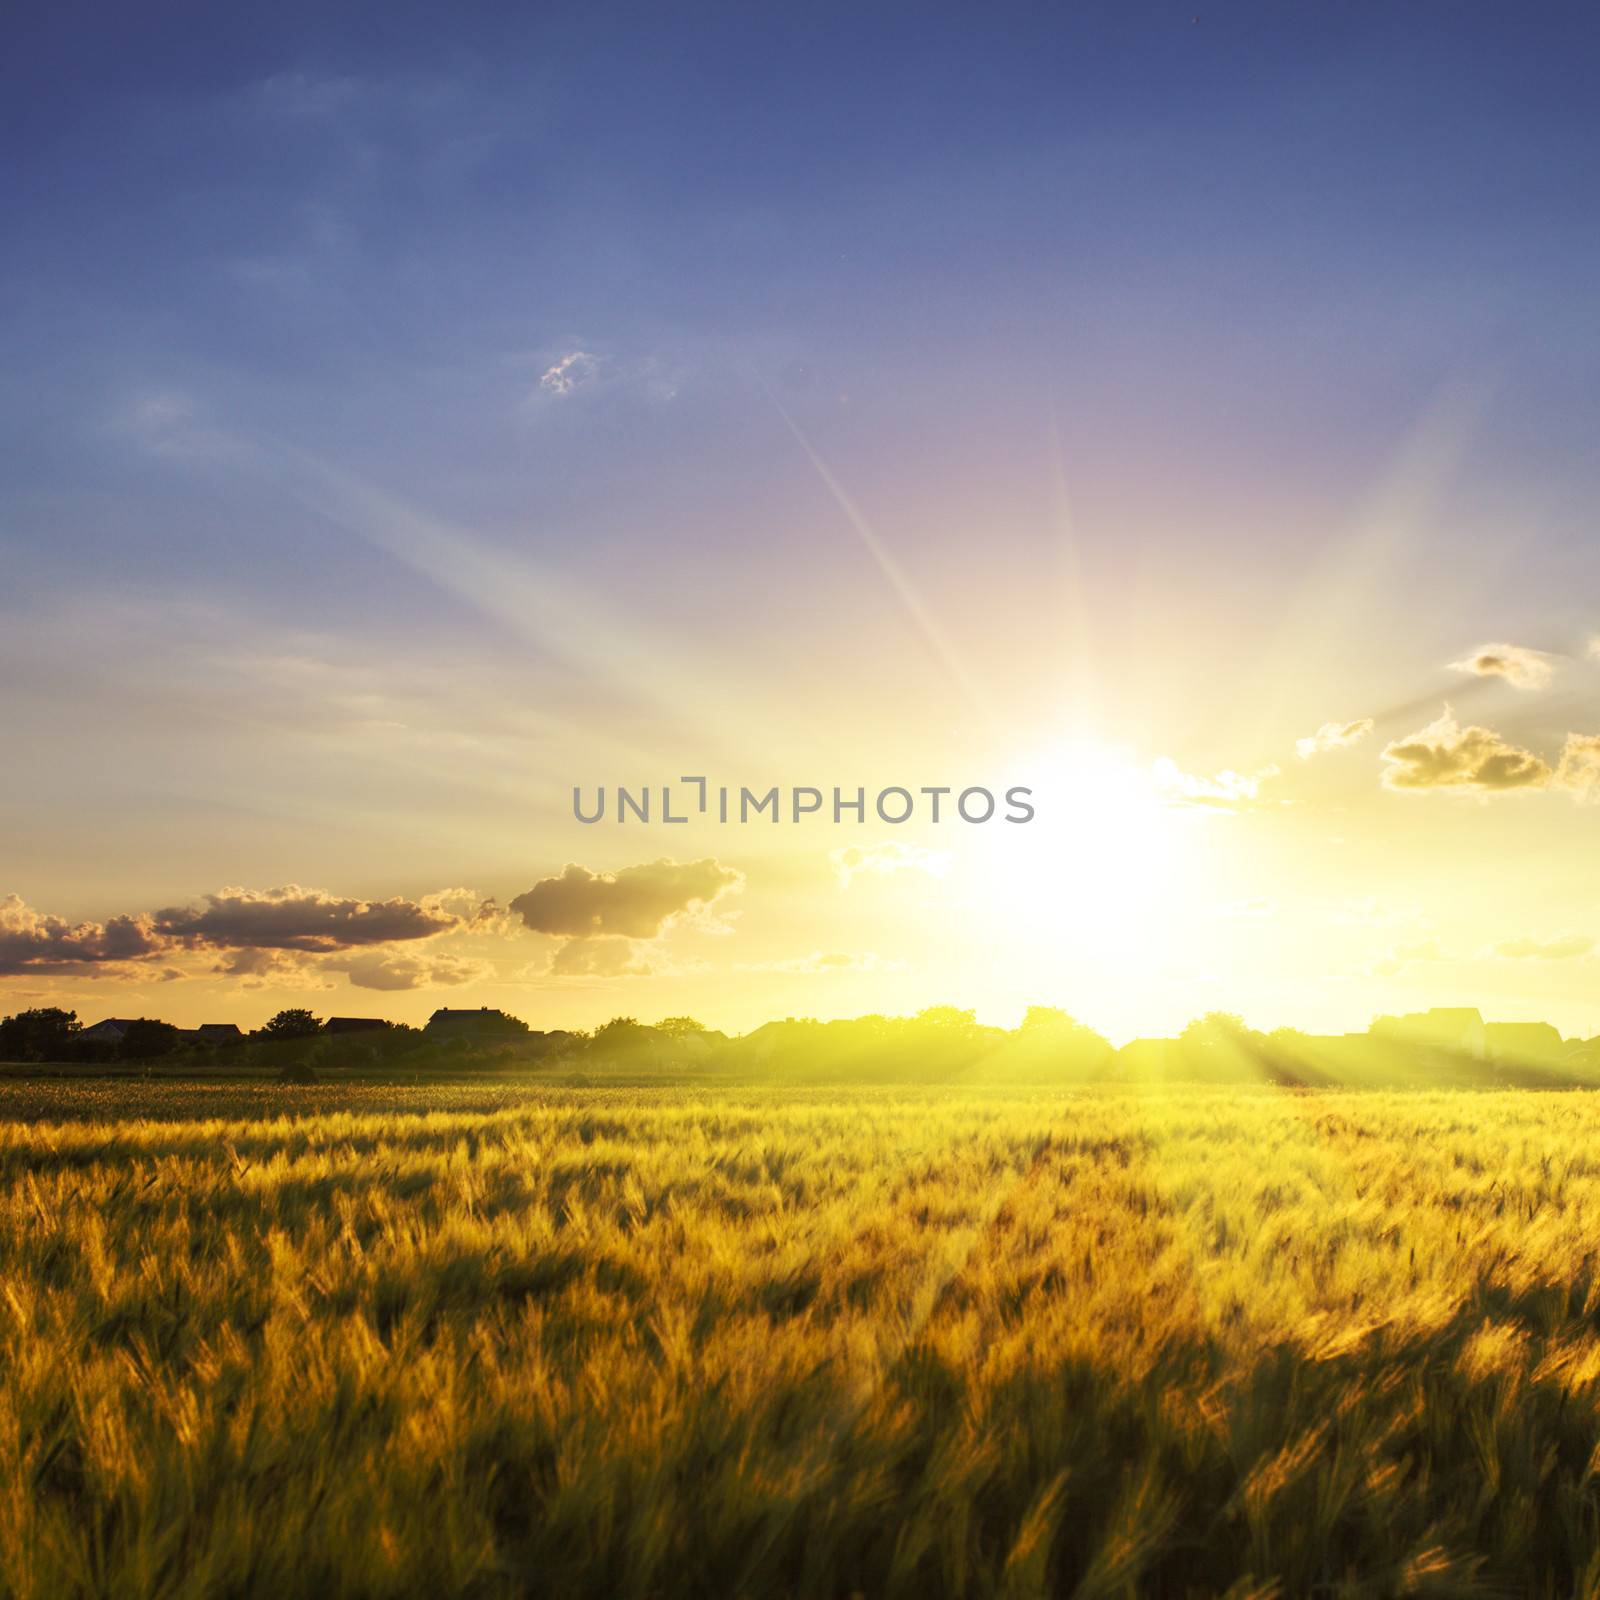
[[1458, 1029], [110, 1032], [353, 1025], [777, 1042], [216, 1034], [1524, 1041], [447, 1022], [1582, 1054]]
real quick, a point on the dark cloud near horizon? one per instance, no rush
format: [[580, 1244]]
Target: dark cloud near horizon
[[293, 918], [31, 941], [631, 903], [255, 930]]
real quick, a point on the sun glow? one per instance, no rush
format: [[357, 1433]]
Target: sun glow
[[1100, 861]]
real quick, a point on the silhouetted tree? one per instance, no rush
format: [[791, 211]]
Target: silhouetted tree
[[293, 1023], [622, 1036], [1053, 1044], [1218, 1046], [945, 1017], [146, 1039], [44, 1033], [679, 1027]]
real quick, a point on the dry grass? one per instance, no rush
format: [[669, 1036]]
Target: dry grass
[[969, 1342]]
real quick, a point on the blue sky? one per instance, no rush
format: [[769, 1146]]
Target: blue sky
[[1209, 363]]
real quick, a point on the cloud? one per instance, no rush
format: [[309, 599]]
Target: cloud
[[1227, 790], [1333, 736], [465, 905], [1373, 913], [606, 918], [634, 902], [263, 932], [298, 96], [890, 857], [577, 369], [1519, 666], [1404, 955], [1444, 755], [30, 941], [1579, 768], [1567, 947], [819, 964], [271, 969], [293, 918], [390, 970], [609, 956]]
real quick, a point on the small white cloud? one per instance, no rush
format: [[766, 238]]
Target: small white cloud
[[577, 369], [1520, 667], [1225, 790], [1373, 913], [887, 858], [1579, 768], [1404, 955], [1333, 736]]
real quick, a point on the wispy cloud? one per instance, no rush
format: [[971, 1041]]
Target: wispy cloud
[[1223, 791], [1565, 947], [1519, 666], [391, 970], [821, 964], [577, 369], [1333, 736], [1405, 955], [887, 858]]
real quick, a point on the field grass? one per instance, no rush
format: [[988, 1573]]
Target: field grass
[[483, 1341]]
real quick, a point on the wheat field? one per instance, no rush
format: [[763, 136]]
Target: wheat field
[[761, 1341]]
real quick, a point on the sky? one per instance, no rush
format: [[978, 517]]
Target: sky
[[410, 415]]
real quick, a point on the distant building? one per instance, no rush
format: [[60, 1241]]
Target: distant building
[[111, 1031], [353, 1025], [216, 1034], [1524, 1041], [447, 1022], [1458, 1029]]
